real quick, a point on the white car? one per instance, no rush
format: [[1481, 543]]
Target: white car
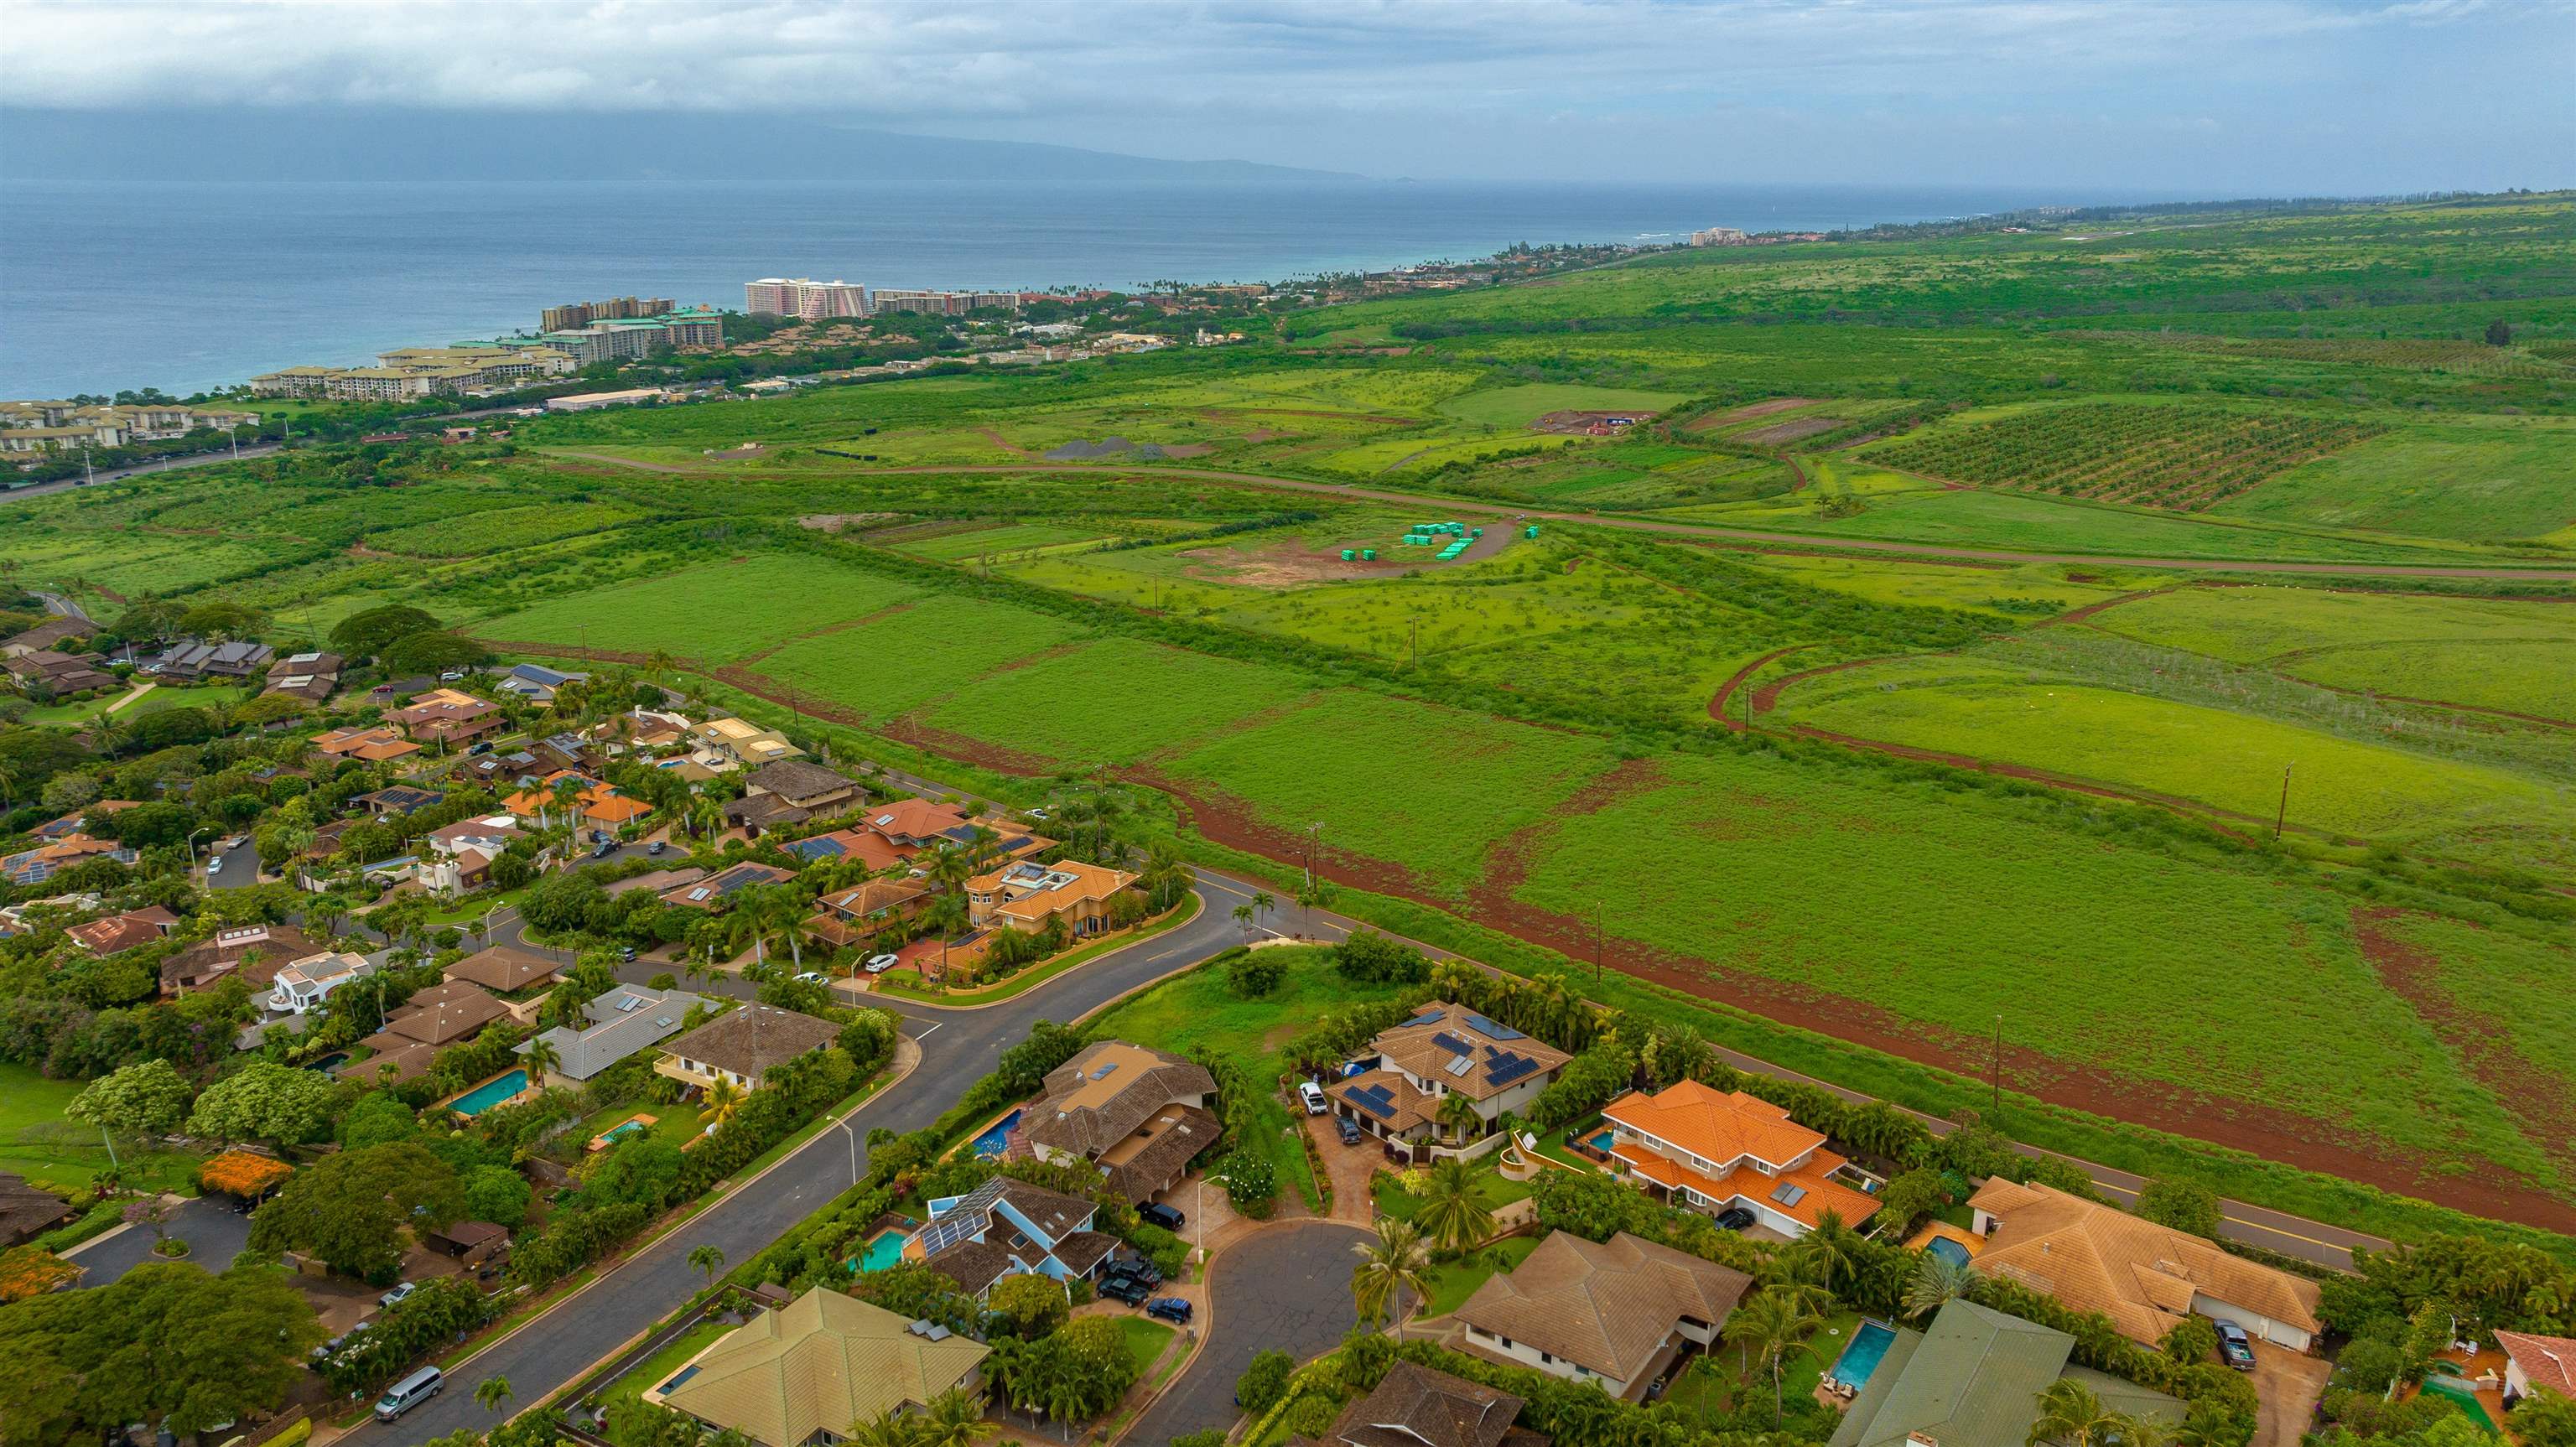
[[215, 865], [1313, 1094], [879, 964], [813, 977], [398, 1293]]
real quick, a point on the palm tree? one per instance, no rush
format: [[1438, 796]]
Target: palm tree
[[1243, 917], [2070, 1413], [953, 1419], [1395, 1263], [8, 782], [1451, 1214], [659, 664], [1831, 1250], [707, 1259], [1458, 1116], [541, 1058], [492, 1393], [892, 1427], [723, 1101], [1262, 902], [1768, 1327], [1937, 1281]]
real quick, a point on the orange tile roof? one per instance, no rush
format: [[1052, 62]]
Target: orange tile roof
[[2549, 1361], [1090, 882], [1817, 1194], [1720, 1127], [2094, 1257]]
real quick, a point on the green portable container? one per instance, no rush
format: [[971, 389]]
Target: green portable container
[[1533, 531], [1368, 555], [1348, 554], [1480, 532]]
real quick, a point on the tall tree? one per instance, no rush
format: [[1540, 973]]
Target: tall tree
[[1397, 1262], [1768, 1327], [2071, 1414], [1451, 1214], [164, 1342]]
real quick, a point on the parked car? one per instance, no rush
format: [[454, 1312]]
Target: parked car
[[1138, 1267], [656, 847], [453, 675], [408, 1393], [1313, 1094], [1350, 1130], [2234, 1347], [626, 953], [879, 964], [603, 849], [812, 977], [1169, 1308], [1734, 1218], [479, 750], [1127, 1289], [398, 1293], [1161, 1215], [215, 866]]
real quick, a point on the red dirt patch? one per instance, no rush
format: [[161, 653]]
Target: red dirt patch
[[1717, 704], [1781, 433], [1004, 443], [1590, 424], [1747, 414]]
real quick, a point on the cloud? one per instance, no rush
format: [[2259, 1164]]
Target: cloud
[[1429, 86]]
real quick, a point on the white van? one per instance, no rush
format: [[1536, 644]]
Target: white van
[[410, 1392], [1313, 1094]]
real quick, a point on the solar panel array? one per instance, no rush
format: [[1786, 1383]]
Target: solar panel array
[[1789, 1195], [1452, 1044], [1502, 1067], [1428, 1016], [1493, 1030], [964, 1221], [1377, 1100]]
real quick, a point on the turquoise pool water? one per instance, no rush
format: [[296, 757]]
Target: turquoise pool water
[[490, 1093], [1948, 1250], [1600, 1142], [1869, 1343], [884, 1250], [631, 1127], [991, 1142]]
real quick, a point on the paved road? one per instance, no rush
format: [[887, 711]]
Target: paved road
[[214, 1231], [1453, 507], [1288, 1285], [958, 1047], [118, 474], [241, 867]]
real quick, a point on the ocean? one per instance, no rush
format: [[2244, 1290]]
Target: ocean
[[189, 287]]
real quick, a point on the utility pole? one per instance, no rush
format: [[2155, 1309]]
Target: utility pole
[[1596, 944], [2282, 817], [1998, 1104]]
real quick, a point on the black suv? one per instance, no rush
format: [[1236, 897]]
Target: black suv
[[1137, 1267], [1127, 1289], [1734, 1218], [1161, 1215]]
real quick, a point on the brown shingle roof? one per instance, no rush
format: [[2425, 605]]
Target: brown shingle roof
[[1608, 1307], [2142, 1275], [503, 968], [26, 1212], [819, 1364], [445, 1013], [1420, 1047], [752, 1038], [1415, 1406], [1099, 1097]]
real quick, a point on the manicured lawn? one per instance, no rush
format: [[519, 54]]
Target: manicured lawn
[[1491, 1189], [1453, 1283], [657, 1368], [1146, 1339], [39, 1142]]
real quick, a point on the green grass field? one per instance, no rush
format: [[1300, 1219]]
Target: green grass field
[[2473, 479], [720, 612], [1520, 406], [1162, 697], [905, 660]]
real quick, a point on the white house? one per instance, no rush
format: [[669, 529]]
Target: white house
[[309, 981]]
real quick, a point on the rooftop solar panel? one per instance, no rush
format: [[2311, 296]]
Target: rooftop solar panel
[[1493, 1030], [1462, 1065], [1508, 1068], [1789, 1195], [1377, 1100], [1452, 1044], [1427, 1016]]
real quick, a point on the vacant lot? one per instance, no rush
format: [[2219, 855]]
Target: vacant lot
[[718, 611], [1520, 406]]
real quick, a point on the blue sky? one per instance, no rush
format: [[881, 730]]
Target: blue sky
[[2188, 97]]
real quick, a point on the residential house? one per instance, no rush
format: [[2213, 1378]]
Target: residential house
[[860, 913], [600, 804], [518, 767], [474, 1244], [24, 916], [1615, 1313], [534, 683], [714, 890], [2143, 1276], [1140, 1116], [760, 814], [35, 866], [1445, 1049], [2535, 1363], [816, 1368], [1027, 896], [616, 1024], [1008, 1227], [307, 982], [57, 674], [26, 1212], [504, 970], [53, 633], [1417, 1406], [741, 1046], [374, 743], [312, 677], [911, 826], [399, 799], [461, 853], [412, 1036], [310, 662], [732, 743], [1973, 1379], [869, 849], [254, 951], [659, 881], [216, 660], [446, 716], [118, 933], [807, 786], [1713, 1150]]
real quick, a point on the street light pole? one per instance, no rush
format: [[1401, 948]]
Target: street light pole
[[192, 848]]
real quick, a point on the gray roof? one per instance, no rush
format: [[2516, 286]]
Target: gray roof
[[796, 779], [1973, 1380], [622, 1021]]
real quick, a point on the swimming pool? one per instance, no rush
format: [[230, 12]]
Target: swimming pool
[[1870, 1341], [884, 1250], [1601, 1142], [328, 1063], [620, 1132], [2460, 1394], [991, 1142], [1948, 1250], [490, 1093]]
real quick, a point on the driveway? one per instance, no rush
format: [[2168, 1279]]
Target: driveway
[[1350, 1168], [1287, 1286], [2289, 1384], [215, 1234]]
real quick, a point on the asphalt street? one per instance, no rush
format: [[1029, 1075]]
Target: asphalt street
[[1286, 1286], [214, 1231], [958, 1047]]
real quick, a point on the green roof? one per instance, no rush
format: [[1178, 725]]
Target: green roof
[[1973, 1380]]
